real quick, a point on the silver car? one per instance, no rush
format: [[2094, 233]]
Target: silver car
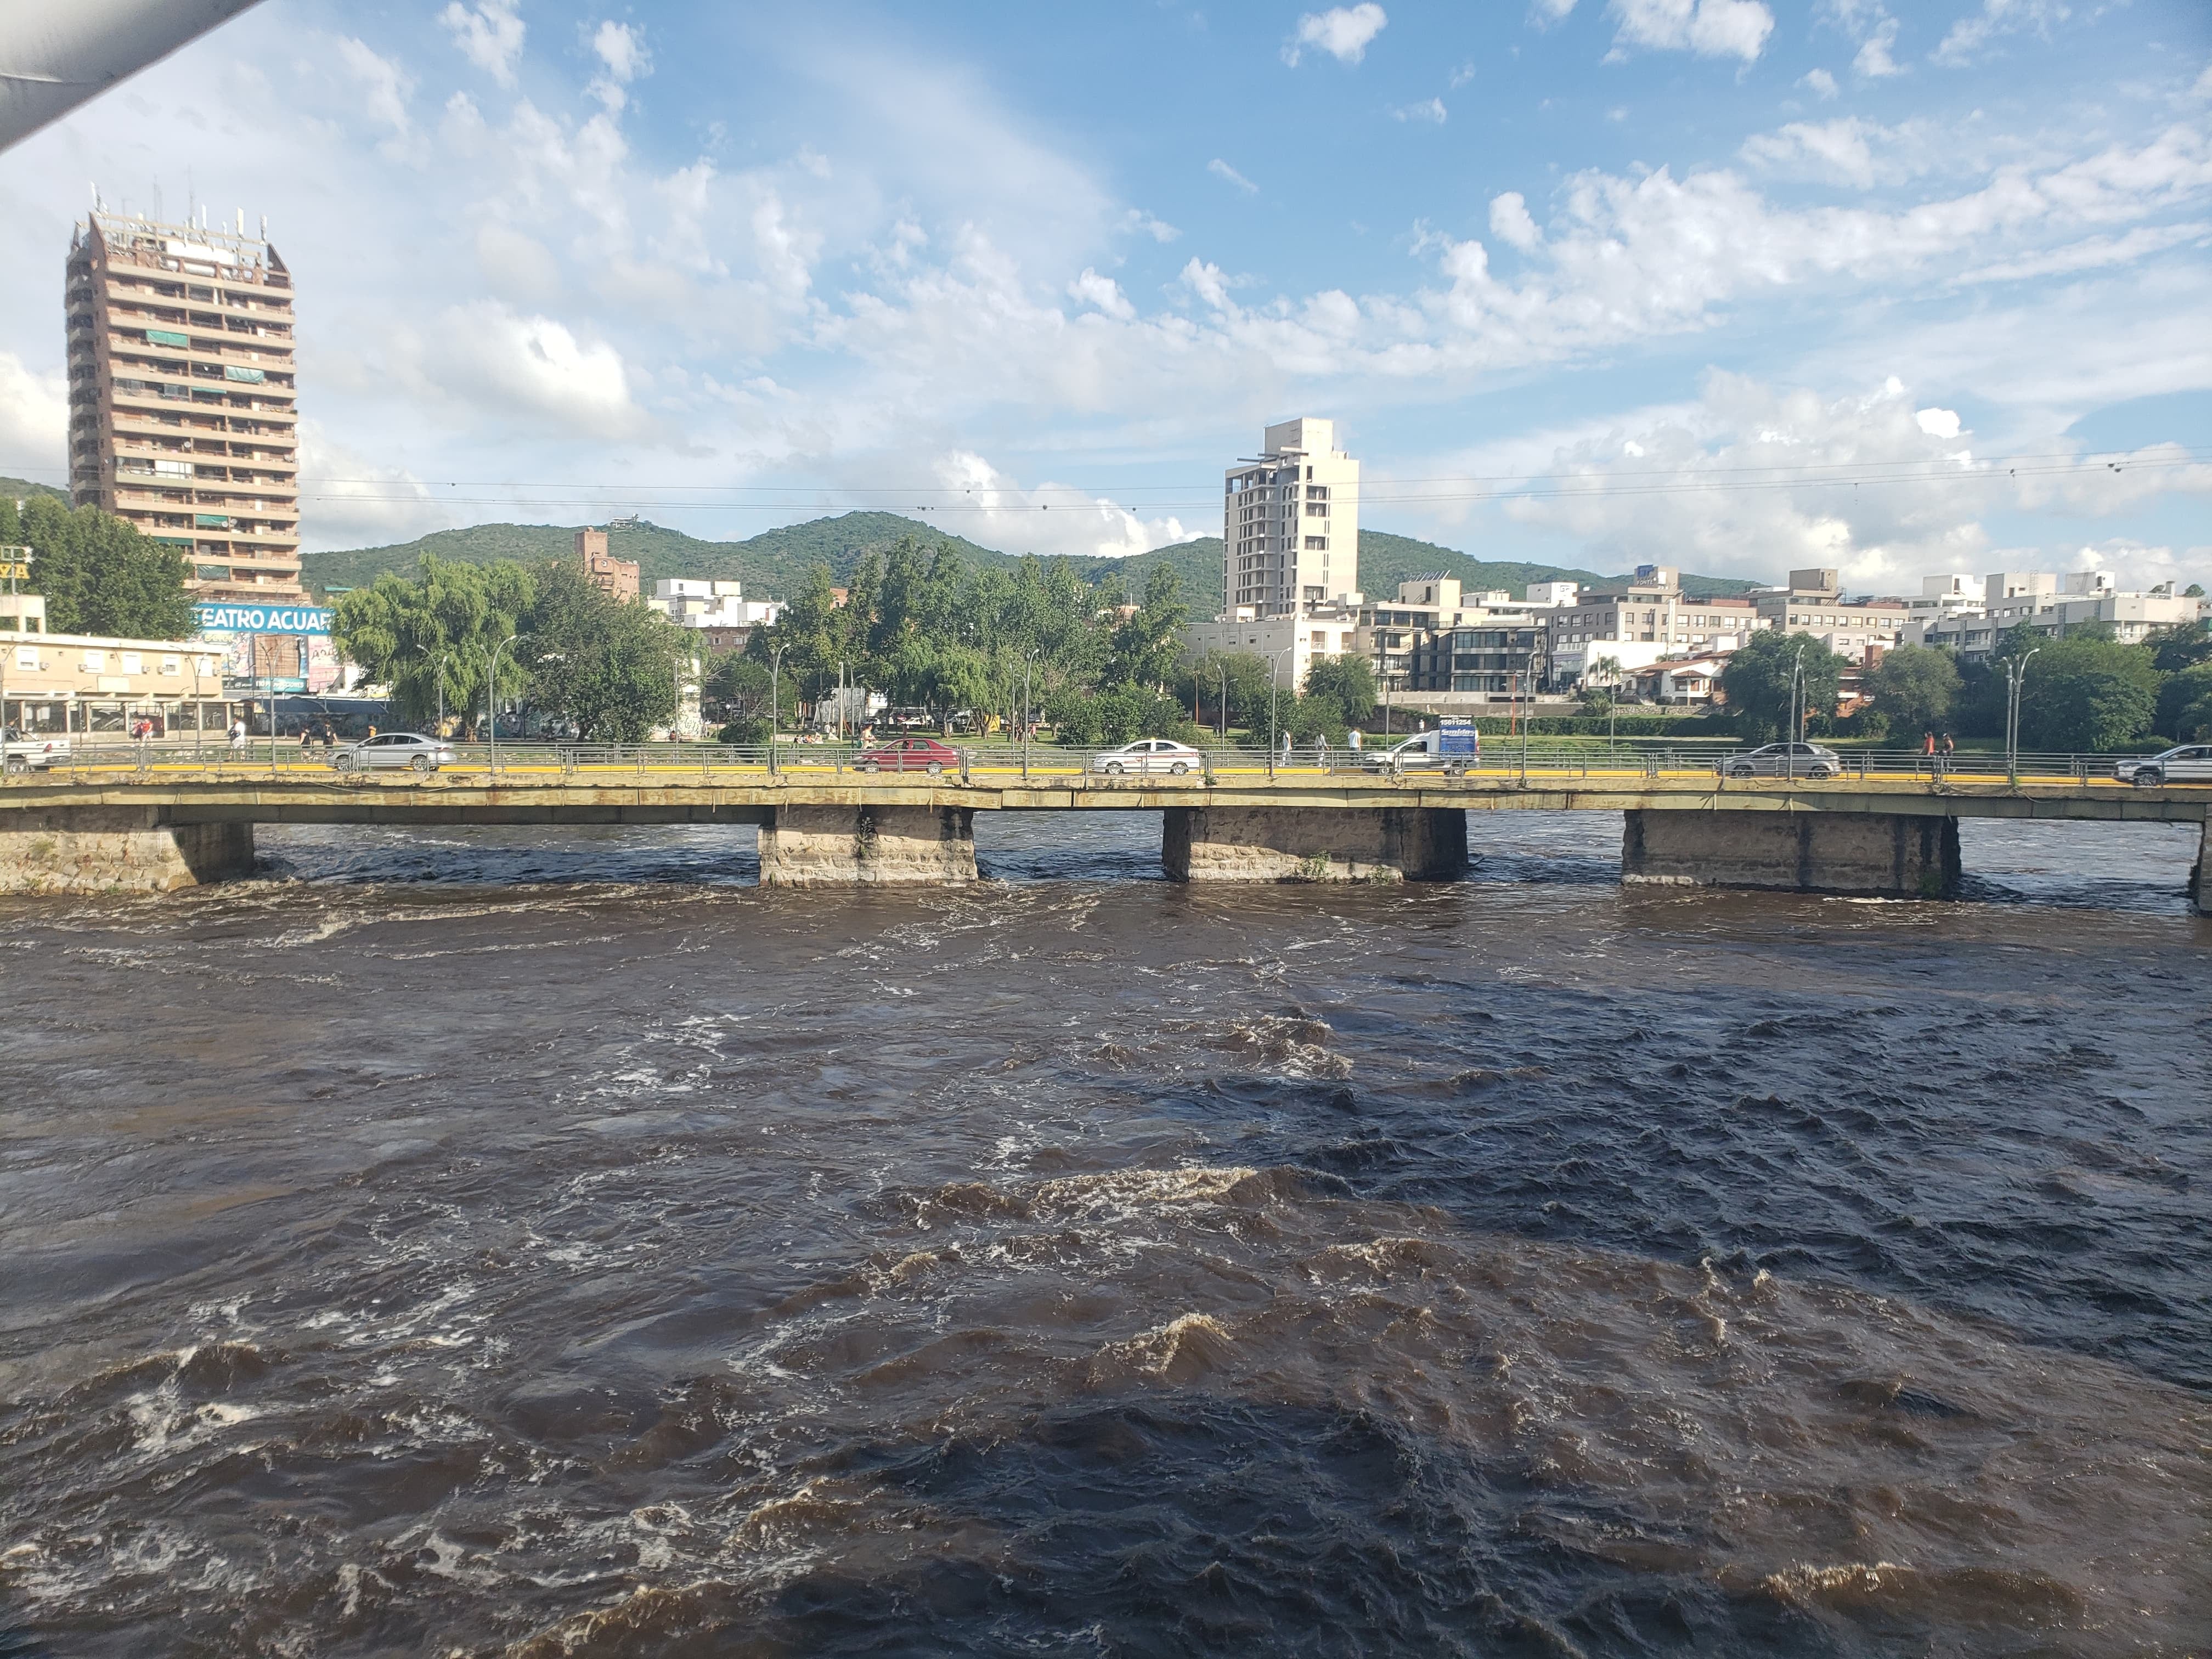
[[1150, 755], [2191, 762], [394, 750], [1785, 760]]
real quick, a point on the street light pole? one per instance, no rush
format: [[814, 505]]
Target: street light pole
[[491, 699], [2015, 681], [1796, 692], [775, 702], [1274, 677]]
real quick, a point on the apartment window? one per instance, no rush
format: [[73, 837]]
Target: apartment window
[[27, 658], [1320, 641], [94, 662], [1316, 509], [133, 663], [1316, 544], [172, 666]]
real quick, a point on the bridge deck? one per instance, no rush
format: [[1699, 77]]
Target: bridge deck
[[738, 795]]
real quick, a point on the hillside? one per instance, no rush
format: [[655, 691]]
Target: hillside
[[21, 489], [773, 562]]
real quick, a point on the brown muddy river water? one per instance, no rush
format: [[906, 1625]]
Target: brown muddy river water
[[546, 1243]]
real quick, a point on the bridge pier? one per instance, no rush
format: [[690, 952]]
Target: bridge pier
[[110, 850], [868, 846], [1881, 855], [1310, 843], [2200, 873]]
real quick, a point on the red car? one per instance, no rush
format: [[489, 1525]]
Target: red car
[[907, 755]]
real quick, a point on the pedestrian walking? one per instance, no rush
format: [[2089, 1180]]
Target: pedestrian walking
[[306, 739], [1351, 741], [237, 736], [1949, 747], [330, 738], [1927, 743], [1321, 752], [1286, 749]]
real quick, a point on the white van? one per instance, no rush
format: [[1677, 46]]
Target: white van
[[1427, 750]]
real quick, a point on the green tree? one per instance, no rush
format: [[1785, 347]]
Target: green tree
[[1244, 678], [1756, 683], [2087, 697], [2194, 591], [737, 691], [609, 664], [2181, 648], [2184, 700], [1341, 691], [431, 638], [1914, 687], [101, 577], [1148, 643]]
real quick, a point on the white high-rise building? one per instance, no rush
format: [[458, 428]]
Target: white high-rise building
[[1290, 535]]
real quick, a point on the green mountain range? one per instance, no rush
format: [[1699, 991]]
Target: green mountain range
[[21, 489], [772, 563]]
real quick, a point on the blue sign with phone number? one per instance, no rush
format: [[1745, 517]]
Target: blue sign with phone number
[[262, 619]]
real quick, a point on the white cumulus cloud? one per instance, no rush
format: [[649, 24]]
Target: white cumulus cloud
[[1819, 82], [535, 369], [490, 35], [1343, 31], [1103, 292], [996, 510], [622, 52], [1432, 112], [1711, 28], [33, 422]]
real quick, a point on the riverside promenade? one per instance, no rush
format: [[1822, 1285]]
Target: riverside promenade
[[171, 822]]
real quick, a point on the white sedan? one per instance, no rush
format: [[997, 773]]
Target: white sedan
[[1150, 755], [2189, 763], [394, 749]]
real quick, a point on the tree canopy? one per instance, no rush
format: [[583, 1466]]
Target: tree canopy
[[1756, 683], [98, 574], [439, 629], [1914, 687], [2087, 695]]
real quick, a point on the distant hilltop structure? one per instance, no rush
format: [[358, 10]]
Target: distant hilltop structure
[[617, 577], [183, 408]]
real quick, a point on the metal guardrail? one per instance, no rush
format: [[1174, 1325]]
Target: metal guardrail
[[669, 762]]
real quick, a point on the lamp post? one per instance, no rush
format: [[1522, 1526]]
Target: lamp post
[[491, 698], [775, 702], [1274, 678], [1221, 709], [1797, 695], [1029, 661], [2015, 680]]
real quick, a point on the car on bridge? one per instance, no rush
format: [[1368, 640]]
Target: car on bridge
[[1784, 760], [2190, 763], [1150, 755], [909, 754], [408, 750], [1454, 752], [27, 753]]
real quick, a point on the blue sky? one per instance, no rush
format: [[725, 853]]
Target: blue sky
[[1734, 284]]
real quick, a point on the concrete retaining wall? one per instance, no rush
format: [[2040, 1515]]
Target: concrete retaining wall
[[868, 846], [106, 849], [1307, 843], [1886, 854]]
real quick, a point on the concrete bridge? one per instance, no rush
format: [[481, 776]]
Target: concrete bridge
[[1883, 835]]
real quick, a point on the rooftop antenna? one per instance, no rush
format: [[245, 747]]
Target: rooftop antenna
[[241, 222]]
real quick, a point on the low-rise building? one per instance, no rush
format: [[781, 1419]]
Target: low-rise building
[[1501, 658], [2036, 599], [716, 610], [1813, 603], [90, 685], [1648, 620]]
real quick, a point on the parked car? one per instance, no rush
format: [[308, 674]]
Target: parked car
[[26, 752], [2191, 762], [1150, 755], [1785, 760], [909, 754], [410, 750]]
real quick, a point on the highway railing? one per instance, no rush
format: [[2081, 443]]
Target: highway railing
[[668, 763]]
